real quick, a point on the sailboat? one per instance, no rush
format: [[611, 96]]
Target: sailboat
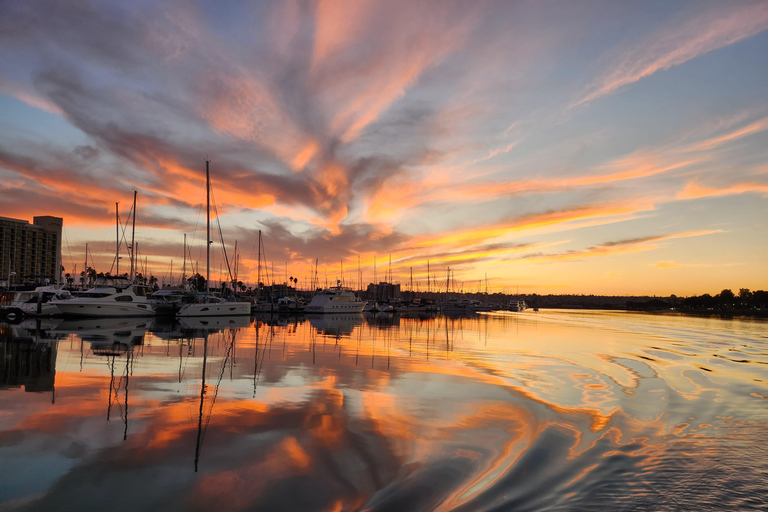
[[207, 304], [111, 295]]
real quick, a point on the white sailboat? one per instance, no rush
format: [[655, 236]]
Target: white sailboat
[[206, 304], [111, 296]]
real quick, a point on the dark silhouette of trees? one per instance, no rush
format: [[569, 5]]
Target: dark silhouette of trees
[[727, 300]]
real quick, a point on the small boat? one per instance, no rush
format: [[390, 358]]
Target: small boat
[[38, 301], [335, 299], [166, 301], [289, 305], [518, 305]]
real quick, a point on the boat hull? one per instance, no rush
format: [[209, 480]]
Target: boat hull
[[215, 309], [74, 308], [349, 307]]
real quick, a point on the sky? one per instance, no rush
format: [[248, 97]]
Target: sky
[[535, 146]]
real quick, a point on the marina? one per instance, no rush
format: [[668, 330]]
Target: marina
[[383, 256], [604, 410]]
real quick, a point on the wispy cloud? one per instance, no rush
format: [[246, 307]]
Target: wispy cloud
[[647, 243], [694, 190], [752, 128], [29, 97], [676, 43]]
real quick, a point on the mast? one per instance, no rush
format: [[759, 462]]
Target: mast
[[258, 272], [133, 233], [184, 266], [234, 277], [85, 268], [117, 242], [207, 228]]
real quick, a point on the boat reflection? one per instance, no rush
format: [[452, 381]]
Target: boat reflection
[[107, 336], [338, 324], [213, 323]]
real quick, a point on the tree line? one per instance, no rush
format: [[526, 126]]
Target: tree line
[[726, 300]]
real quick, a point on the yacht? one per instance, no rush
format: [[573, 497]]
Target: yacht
[[40, 303], [205, 304], [335, 299], [111, 296]]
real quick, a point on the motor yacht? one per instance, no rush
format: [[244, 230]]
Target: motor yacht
[[205, 304], [111, 296], [335, 299]]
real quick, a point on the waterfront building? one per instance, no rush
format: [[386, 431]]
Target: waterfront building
[[30, 253]]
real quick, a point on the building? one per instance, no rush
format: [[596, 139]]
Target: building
[[30, 253]]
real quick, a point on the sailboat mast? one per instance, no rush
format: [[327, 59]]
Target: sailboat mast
[[85, 268], [117, 242], [184, 266], [133, 233], [207, 228], [258, 271]]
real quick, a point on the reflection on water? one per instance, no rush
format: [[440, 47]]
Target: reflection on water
[[567, 410]]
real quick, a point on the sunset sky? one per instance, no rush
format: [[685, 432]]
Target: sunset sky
[[552, 147]]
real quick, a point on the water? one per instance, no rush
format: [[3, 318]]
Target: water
[[555, 410]]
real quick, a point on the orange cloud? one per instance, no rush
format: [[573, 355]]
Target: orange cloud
[[600, 213], [310, 149], [674, 264], [337, 25], [695, 191]]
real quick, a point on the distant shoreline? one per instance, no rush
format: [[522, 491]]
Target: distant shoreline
[[723, 313]]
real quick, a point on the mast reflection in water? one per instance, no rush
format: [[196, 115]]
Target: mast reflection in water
[[567, 410]]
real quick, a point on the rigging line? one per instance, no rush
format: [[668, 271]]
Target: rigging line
[[69, 250], [221, 236], [266, 267]]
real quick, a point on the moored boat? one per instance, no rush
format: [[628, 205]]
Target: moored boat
[[335, 299], [40, 303], [111, 296], [205, 304]]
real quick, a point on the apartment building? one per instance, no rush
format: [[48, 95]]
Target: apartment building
[[30, 253]]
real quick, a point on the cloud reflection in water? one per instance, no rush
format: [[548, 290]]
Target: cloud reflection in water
[[561, 410]]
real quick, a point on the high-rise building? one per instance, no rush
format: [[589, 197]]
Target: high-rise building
[[30, 253]]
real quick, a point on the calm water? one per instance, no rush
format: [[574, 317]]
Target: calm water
[[555, 410]]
